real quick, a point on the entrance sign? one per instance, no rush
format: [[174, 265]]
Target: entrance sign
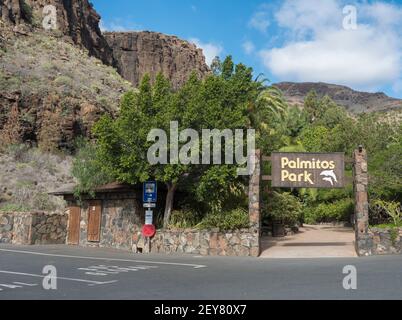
[[149, 192], [308, 170]]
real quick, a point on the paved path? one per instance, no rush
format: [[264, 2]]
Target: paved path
[[92, 273], [323, 241]]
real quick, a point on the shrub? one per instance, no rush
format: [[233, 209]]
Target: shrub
[[26, 11], [337, 211], [12, 207], [227, 220], [18, 151], [392, 209], [87, 170], [283, 207], [183, 219], [63, 81]]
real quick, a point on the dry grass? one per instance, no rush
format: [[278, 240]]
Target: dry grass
[[42, 64], [27, 175]]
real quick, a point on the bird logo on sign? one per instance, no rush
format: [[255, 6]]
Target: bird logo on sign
[[329, 176]]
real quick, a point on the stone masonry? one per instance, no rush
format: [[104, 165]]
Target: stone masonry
[[360, 171], [254, 204], [33, 228], [206, 242], [385, 241]]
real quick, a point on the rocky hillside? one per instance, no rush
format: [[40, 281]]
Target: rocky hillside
[[51, 91], [76, 19], [52, 85], [27, 175], [353, 101], [133, 53], [138, 53]]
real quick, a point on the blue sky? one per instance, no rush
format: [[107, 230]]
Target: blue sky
[[291, 40]]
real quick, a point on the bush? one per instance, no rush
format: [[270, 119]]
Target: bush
[[227, 220], [391, 208], [18, 151], [26, 11], [183, 219], [12, 207], [283, 207], [87, 170], [337, 211]]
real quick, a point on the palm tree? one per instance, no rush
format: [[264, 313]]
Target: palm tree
[[271, 100]]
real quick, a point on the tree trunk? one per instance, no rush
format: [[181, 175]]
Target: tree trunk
[[169, 203]]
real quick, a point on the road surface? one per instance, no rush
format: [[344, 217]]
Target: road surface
[[92, 273]]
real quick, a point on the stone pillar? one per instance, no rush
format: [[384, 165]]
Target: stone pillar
[[255, 205], [360, 182]]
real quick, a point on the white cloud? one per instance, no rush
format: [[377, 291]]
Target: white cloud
[[118, 25], [260, 19], [248, 47], [317, 48], [210, 50]]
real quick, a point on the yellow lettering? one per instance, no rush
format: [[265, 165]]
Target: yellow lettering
[[325, 165], [284, 162], [292, 164], [284, 175]]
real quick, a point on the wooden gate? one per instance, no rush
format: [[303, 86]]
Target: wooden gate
[[74, 225], [94, 220]]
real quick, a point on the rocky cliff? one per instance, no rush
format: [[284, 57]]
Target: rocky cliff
[[76, 19], [353, 101], [138, 53], [51, 92]]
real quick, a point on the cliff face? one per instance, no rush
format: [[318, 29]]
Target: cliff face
[[76, 19], [353, 101], [52, 92], [138, 53]]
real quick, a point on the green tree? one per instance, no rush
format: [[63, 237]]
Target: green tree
[[87, 170], [218, 102]]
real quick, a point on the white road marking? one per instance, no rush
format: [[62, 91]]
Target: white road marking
[[96, 270], [195, 266], [10, 286], [102, 270], [96, 274], [60, 278], [26, 284]]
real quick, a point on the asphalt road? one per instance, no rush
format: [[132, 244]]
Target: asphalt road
[[91, 273]]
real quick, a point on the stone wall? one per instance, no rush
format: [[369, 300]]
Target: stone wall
[[49, 228], [33, 228], [384, 241], [6, 227], [206, 242], [122, 217], [122, 220]]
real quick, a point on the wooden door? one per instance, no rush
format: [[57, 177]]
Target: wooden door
[[94, 220], [74, 218]]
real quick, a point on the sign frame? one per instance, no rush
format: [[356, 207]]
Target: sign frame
[[150, 196], [329, 178]]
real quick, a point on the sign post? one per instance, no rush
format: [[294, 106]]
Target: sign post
[[149, 201]]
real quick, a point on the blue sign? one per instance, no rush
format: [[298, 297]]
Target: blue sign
[[149, 192]]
